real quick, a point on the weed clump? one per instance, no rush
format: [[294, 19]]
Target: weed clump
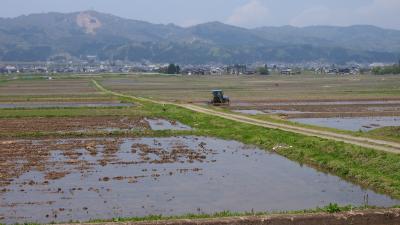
[[332, 208]]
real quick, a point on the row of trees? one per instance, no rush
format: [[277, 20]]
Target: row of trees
[[175, 69], [171, 69], [263, 70], [395, 69]]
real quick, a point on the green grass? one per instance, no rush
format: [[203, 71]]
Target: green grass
[[2, 82], [390, 133], [331, 208], [276, 119], [386, 133]]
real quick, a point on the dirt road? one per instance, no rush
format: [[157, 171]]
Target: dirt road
[[381, 145], [361, 141]]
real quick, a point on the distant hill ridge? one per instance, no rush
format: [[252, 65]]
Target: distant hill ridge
[[40, 37]]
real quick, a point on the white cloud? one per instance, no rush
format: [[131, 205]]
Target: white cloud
[[252, 14]]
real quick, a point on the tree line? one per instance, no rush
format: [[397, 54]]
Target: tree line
[[171, 69], [395, 69]]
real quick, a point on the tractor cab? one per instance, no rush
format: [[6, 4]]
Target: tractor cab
[[219, 98]]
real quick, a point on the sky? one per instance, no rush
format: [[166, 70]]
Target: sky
[[244, 13]]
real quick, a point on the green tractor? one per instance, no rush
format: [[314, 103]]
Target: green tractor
[[219, 98]]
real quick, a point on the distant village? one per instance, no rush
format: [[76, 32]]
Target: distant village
[[90, 65]]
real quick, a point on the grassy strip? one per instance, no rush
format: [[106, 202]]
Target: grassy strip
[[385, 134], [276, 119], [390, 133], [331, 208]]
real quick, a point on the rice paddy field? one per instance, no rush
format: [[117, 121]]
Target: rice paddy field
[[259, 89], [356, 103], [70, 152]]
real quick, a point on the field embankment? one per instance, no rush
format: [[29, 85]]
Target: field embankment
[[373, 217]]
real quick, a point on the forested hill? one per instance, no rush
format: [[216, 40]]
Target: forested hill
[[40, 37]]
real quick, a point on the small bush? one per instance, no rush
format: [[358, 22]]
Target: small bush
[[332, 208]]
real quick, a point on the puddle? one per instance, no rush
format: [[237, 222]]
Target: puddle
[[82, 179], [34, 105], [283, 111], [161, 124], [351, 123], [250, 111]]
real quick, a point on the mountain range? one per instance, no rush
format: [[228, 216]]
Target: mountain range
[[47, 36]]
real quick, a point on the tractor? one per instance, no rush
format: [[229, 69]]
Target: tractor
[[219, 98]]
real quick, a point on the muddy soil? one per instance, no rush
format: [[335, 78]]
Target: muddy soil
[[71, 124], [35, 105], [103, 178], [315, 102], [65, 87]]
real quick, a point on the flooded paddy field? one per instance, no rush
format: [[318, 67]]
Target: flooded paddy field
[[317, 102], [71, 124], [245, 88], [70, 178], [352, 123], [87, 124], [345, 115], [250, 111], [103, 178], [325, 109]]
